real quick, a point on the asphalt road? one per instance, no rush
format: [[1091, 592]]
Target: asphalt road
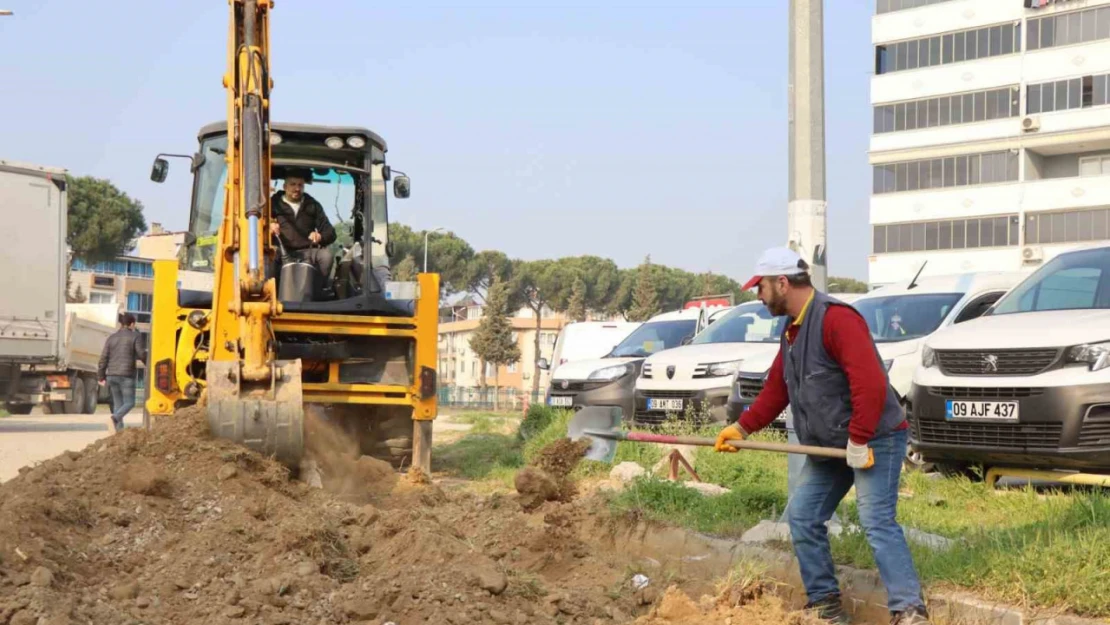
[[25, 440]]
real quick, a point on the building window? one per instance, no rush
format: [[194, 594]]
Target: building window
[[106, 282], [1070, 93], [1071, 226], [135, 268], [511, 368], [948, 234], [140, 302], [98, 297], [1065, 29], [956, 47], [952, 171], [948, 110], [1094, 165]]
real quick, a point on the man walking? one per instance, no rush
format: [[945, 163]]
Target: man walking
[[831, 375], [117, 367]]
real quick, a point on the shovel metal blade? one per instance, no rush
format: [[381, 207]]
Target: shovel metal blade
[[604, 418]]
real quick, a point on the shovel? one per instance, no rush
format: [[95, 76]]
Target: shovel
[[601, 426]]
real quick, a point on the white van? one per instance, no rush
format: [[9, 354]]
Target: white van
[[1028, 383], [610, 380], [699, 375], [901, 316], [584, 340]]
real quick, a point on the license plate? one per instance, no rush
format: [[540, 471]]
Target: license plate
[[59, 397], [562, 402], [664, 404], [996, 410]]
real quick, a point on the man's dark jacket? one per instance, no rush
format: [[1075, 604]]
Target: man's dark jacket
[[296, 228], [121, 351]]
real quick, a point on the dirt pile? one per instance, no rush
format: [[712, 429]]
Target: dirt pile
[[734, 606], [546, 477], [171, 526]]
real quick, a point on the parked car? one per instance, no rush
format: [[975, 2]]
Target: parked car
[[588, 340], [699, 375], [1028, 383], [610, 380]]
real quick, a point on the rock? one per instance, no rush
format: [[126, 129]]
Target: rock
[[42, 577], [306, 568], [499, 617], [126, 590], [236, 611], [142, 602], [227, 472], [23, 617], [492, 581], [232, 596], [20, 579], [65, 462], [182, 584], [626, 472], [361, 609], [705, 488]]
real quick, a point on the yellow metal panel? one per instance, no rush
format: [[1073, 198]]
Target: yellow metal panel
[[163, 333], [427, 337], [323, 397], [357, 388], [334, 326]]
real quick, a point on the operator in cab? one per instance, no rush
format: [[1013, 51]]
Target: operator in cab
[[831, 375], [302, 225]]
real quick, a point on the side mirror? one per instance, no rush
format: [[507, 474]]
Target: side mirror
[[401, 186], [159, 170], [543, 364]]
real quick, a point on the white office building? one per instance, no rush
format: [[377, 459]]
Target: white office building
[[991, 141]]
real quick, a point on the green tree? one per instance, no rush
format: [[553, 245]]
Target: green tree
[[103, 221], [846, 285], [487, 267], [493, 340], [448, 255], [576, 307], [645, 298], [542, 284], [405, 271]]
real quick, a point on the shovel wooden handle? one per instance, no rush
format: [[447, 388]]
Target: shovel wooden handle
[[645, 437]]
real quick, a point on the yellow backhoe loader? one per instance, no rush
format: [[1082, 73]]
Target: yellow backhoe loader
[[262, 337]]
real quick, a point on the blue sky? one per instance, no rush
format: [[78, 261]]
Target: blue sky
[[540, 129]]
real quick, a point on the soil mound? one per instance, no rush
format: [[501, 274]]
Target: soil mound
[[172, 526], [546, 477]]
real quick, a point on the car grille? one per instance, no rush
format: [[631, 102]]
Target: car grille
[[998, 392], [577, 386], [749, 388], [1007, 362], [1096, 428], [1005, 436]]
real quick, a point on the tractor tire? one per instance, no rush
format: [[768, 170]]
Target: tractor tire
[[19, 409], [77, 404], [389, 436]]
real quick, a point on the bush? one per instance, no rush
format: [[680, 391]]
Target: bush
[[536, 420]]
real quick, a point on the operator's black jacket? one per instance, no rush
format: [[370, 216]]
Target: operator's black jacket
[[295, 229]]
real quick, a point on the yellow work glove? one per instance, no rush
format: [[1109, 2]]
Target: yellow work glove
[[860, 456], [731, 432]]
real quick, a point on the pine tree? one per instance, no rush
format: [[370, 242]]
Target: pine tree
[[645, 299], [493, 340], [576, 308]]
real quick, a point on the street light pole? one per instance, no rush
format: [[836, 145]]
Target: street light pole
[[426, 233]]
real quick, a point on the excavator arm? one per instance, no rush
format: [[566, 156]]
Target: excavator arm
[[252, 397]]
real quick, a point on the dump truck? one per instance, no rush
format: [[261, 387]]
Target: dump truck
[[270, 335], [48, 349]]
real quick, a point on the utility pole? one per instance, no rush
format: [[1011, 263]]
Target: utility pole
[[805, 217], [806, 94]]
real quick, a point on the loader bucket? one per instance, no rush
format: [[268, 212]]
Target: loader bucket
[[269, 421]]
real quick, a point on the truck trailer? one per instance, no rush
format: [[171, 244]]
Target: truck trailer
[[48, 349]]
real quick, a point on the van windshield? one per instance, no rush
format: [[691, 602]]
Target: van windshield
[[652, 337], [747, 323], [1073, 281], [903, 317]]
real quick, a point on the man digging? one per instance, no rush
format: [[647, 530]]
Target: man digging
[[831, 375]]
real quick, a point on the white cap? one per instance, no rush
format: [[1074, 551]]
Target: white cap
[[777, 261]]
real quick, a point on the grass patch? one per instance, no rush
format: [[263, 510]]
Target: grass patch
[[479, 457], [488, 422], [724, 515]]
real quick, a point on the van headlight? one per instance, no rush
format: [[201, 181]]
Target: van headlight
[[723, 369], [610, 373], [928, 357], [1095, 355]]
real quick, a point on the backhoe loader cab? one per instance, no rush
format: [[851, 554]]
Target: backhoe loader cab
[[362, 346]]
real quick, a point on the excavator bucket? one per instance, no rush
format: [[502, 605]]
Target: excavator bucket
[[269, 421]]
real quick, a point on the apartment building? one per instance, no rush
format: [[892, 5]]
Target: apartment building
[[990, 147]]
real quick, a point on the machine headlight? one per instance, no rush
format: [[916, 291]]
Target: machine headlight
[[333, 142], [275, 138], [887, 364], [610, 373], [1095, 355], [722, 369], [928, 357], [356, 142]]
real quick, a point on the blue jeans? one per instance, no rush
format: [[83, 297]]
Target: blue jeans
[[122, 388], [821, 487]]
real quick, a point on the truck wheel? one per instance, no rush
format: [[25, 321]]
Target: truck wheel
[[77, 404], [19, 409], [92, 394], [53, 407]]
